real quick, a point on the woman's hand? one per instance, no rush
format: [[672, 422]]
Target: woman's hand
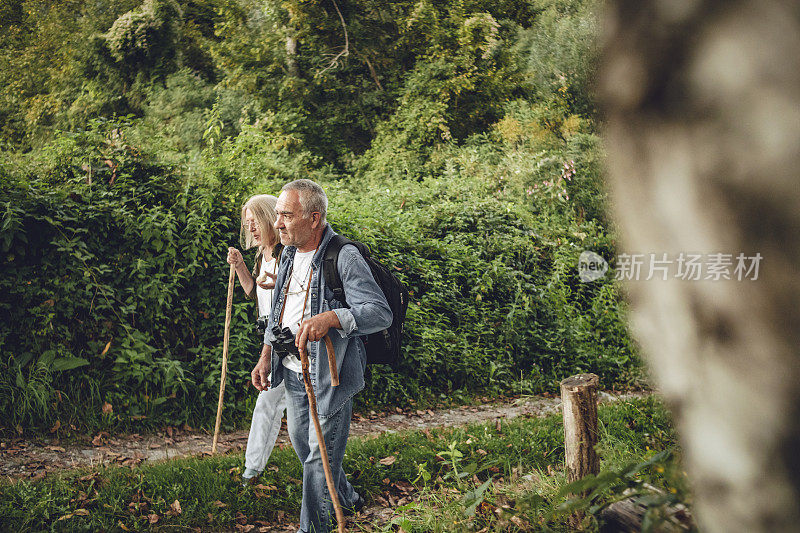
[[266, 280], [234, 256]]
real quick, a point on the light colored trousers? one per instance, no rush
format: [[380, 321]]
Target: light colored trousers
[[265, 426]]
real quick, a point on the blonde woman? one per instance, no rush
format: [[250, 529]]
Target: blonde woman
[[258, 229]]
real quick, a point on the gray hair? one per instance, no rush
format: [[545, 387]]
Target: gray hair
[[312, 198]]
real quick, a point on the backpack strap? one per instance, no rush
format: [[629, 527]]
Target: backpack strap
[[330, 269], [330, 262]]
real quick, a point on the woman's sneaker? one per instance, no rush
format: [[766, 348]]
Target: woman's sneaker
[[249, 475]]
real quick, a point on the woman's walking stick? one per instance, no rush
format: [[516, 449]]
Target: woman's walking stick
[[312, 406], [225, 339]]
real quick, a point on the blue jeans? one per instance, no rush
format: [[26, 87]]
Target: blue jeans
[[316, 513]]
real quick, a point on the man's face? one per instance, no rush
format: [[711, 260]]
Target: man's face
[[294, 228]]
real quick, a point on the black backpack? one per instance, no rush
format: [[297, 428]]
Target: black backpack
[[383, 347]]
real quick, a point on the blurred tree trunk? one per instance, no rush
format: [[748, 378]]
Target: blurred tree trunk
[[291, 56], [702, 101]]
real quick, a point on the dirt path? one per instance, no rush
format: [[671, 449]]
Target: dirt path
[[21, 458]]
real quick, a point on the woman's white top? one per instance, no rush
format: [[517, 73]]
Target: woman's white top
[[264, 296]]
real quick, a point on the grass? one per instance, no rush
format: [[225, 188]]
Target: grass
[[437, 479]]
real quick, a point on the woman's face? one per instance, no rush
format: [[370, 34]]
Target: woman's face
[[252, 226]]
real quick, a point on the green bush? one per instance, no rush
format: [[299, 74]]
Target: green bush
[[114, 274], [111, 283]]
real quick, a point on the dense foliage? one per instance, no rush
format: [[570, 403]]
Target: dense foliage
[[456, 139]]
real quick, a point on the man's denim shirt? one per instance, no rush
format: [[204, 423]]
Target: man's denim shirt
[[368, 312]]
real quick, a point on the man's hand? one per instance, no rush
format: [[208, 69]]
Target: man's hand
[[315, 328], [260, 374]]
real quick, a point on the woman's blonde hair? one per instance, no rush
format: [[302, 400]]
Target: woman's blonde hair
[[263, 208]]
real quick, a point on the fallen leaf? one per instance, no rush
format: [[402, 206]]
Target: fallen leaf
[[219, 504], [108, 408], [81, 512], [404, 486], [518, 522], [122, 526], [56, 426], [265, 487], [481, 451], [387, 461], [152, 518], [97, 440], [105, 350], [56, 449], [175, 508]]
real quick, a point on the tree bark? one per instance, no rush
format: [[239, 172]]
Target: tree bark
[[579, 404], [702, 106]]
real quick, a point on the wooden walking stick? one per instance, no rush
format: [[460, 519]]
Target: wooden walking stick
[[312, 406], [225, 339]]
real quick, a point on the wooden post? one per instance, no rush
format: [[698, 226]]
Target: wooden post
[[579, 404]]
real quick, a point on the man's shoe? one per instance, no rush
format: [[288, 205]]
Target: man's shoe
[[249, 475], [356, 507]]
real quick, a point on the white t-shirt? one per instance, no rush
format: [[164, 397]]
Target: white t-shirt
[[295, 298], [264, 296]]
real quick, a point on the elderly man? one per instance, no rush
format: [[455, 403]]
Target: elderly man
[[303, 304]]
